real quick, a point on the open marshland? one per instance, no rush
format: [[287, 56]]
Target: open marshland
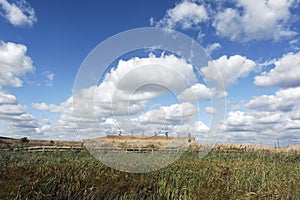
[[260, 174]]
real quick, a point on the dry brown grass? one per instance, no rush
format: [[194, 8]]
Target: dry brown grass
[[6, 142], [257, 147], [138, 142], [157, 141]]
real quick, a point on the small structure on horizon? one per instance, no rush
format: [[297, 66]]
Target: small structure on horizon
[[128, 141]]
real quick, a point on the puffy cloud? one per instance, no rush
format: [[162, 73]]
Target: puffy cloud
[[228, 23], [260, 122], [13, 115], [210, 110], [255, 20], [262, 127], [200, 127], [284, 74], [241, 20], [12, 109], [271, 117], [239, 118], [295, 115], [283, 100], [213, 47], [222, 94], [184, 15], [14, 63], [49, 78], [226, 70], [173, 114], [196, 92], [6, 98], [294, 44], [19, 13], [67, 124], [292, 125], [127, 88], [124, 93], [47, 107], [175, 119]]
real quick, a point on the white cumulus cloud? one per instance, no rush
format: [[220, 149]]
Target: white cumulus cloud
[[14, 63], [262, 127], [255, 19], [13, 116], [210, 110], [173, 114], [196, 92], [6, 98], [125, 91], [286, 73], [226, 70], [19, 13], [270, 118], [213, 47], [46, 107], [284, 100], [184, 15]]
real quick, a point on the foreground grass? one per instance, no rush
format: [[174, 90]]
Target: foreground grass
[[77, 175]]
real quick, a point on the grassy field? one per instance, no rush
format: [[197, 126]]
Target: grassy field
[[77, 175]]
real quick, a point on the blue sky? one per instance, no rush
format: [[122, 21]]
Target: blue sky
[[254, 44]]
